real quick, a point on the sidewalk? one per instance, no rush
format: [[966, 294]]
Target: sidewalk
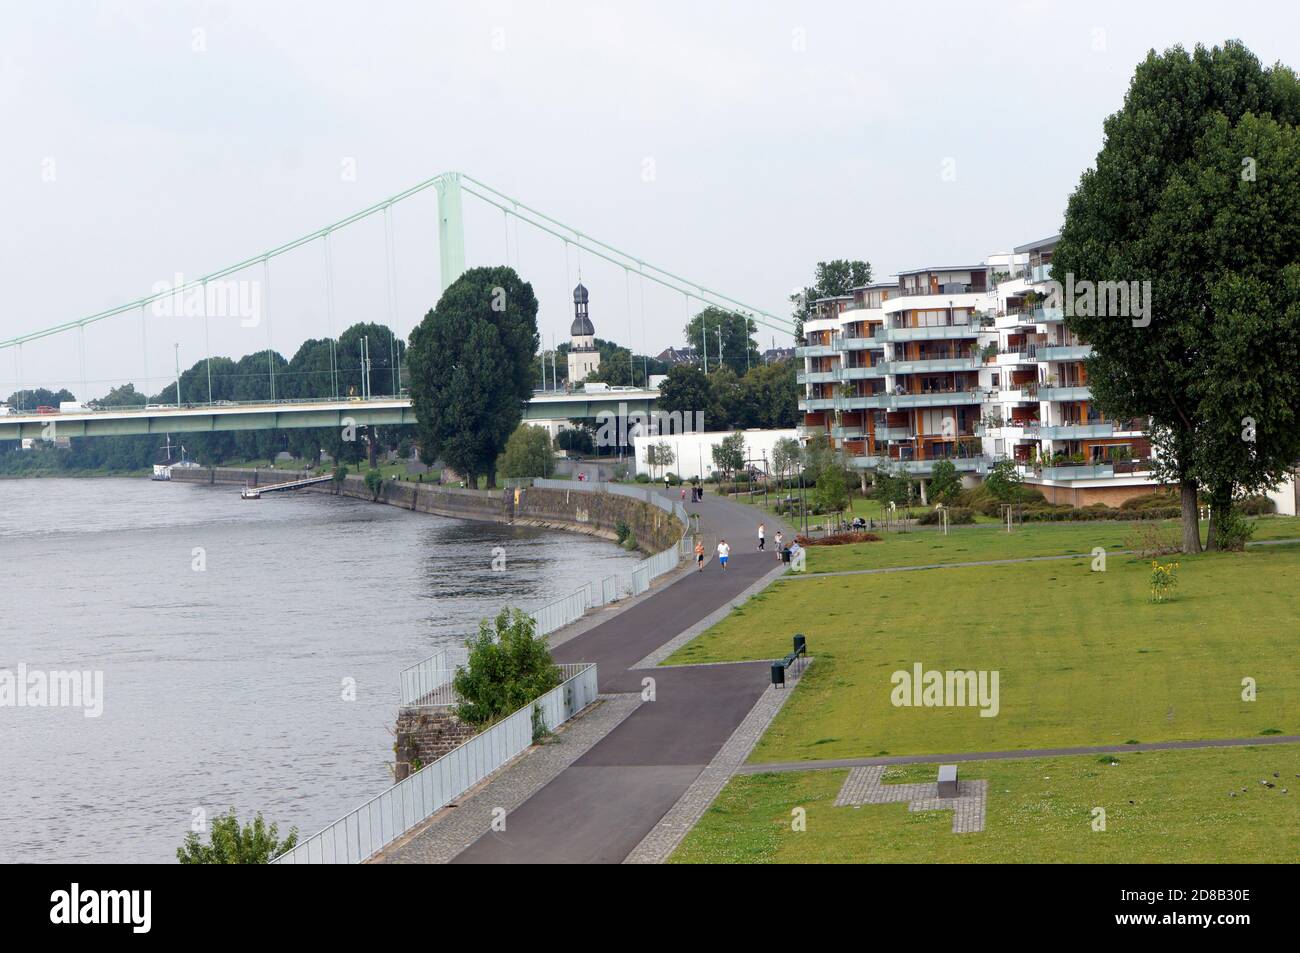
[[599, 808]]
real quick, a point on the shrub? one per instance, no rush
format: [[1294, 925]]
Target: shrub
[[622, 530], [838, 539], [1232, 530], [957, 515], [643, 478], [1150, 539], [508, 667], [374, 483], [229, 843], [1257, 506]]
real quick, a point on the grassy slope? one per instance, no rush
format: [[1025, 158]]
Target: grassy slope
[[1161, 807], [1083, 657]]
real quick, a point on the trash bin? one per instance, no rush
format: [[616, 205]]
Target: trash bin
[[800, 644], [785, 555], [778, 674]]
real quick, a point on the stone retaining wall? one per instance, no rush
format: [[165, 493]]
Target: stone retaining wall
[[424, 735], [595, 514]]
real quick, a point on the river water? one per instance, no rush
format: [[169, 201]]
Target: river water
[[228, 632]]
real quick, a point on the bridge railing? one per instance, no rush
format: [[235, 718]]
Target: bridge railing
[[362, 833]]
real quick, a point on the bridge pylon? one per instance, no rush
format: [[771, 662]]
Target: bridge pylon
[[451, 229]]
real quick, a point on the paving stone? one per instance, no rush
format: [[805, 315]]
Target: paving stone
[[866, 786]]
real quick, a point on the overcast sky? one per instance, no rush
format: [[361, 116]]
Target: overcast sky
[[733, 143]]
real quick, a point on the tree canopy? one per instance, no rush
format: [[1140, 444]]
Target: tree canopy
[[471, 368], [832, 279], [1197, 191]]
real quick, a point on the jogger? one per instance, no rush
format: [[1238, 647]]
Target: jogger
[[699, 555]]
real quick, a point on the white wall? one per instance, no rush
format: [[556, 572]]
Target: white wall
[[1284, 495], [693, 452]]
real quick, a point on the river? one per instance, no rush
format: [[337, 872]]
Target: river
[[228, 633]]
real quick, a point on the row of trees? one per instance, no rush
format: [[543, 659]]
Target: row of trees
[[766, 396]]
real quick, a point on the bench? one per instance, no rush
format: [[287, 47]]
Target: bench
[[800, 650]]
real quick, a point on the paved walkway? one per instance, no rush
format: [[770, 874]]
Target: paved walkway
[[866, 786], [601, 807]]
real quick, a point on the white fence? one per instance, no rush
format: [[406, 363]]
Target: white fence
[[364, 832], [426, 677]]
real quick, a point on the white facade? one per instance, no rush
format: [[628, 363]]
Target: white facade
[[693, 452]]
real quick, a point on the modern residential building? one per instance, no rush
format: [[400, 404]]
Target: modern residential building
[[964, 363]]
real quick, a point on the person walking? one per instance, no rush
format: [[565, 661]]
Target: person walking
[[683, 492], [724, 553], [699, 554], [762, 530], [778, 545]]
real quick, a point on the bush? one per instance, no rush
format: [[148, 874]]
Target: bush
[[643, 478], [228, 843], [622, 530], [508, 668], [1149, 540], [374, 483], [1256, 506], [957, 516], [673, 479], [1232, 531], [838, 539]]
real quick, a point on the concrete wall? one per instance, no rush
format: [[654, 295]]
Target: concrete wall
[[594, 514], [1087, 495]]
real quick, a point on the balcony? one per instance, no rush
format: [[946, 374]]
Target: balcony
[[935, 399], [846, 433], [938, 332], [894, 433], [975, 464], [860, 373], [1039, 273], [1079, 471], [815, 377], [1069, 392], [868, 463], [861, 342], [1045, 315], [815, 350], [926, 365], [1076, 431], [1065, 352], [817, 403], [863, 402]]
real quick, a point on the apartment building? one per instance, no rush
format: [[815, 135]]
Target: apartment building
[[964, 363]]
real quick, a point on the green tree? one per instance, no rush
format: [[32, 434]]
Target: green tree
[[529, 453], [470, 365], [945, 484], [1004, 482], [832, 495], [769, 397], [725, 398], [686, 391], [729, 453], [833, 278], [785, 456], [731, 332], [508, 667], [660, 456], [1197, 190], [229, 843]]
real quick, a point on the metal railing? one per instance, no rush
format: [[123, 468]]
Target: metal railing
[[362, 833], [425, 677], [556, 615]]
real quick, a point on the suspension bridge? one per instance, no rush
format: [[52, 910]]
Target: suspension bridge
[[280, 396]]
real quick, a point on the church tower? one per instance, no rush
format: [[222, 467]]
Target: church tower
[[583, 356]]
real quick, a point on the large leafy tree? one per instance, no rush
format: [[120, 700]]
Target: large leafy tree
[[471, 361], [230, 843], [529, 453], [832, 278], [714, 330], [686, 391], [769, 396], [1197, 190]]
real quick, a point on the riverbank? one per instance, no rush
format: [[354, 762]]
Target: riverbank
[[577, 510]]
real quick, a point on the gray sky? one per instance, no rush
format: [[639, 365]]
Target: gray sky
[[779, 134]]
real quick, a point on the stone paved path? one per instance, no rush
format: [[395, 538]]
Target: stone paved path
[[865, 786]]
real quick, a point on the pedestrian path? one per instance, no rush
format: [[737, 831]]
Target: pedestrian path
[[599, 808]]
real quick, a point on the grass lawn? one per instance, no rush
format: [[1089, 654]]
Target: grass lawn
[[975, 543], [1161, 807], [1083, 657]]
